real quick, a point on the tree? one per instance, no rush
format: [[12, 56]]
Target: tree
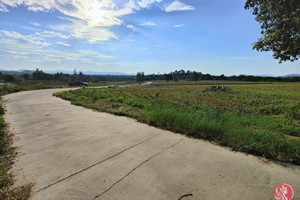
[[280, 24], [26, 76], [9, 78], [140, 77], [37, 75], [168, 77], [194, 76]]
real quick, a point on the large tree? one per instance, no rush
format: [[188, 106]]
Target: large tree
[[280, 24]]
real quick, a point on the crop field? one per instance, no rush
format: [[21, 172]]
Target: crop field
[[257, 118]]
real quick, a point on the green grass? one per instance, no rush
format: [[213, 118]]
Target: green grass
[[261, 119], [24, 86]]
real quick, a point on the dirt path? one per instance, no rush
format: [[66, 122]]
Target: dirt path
[[70, 152]]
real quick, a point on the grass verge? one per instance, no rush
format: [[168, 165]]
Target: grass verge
[[7, 155]]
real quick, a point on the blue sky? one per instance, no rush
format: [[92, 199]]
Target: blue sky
[[154, 36]]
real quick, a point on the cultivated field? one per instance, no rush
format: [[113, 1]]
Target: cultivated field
[[257, 118]]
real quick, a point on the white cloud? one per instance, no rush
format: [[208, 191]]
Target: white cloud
[[131, 5], [35, 24], [129, 26], [130, 40], [64, 44], [3, 8], [88, 20], [36, 8], [16, 47], [91, 19], [179, 25], [31, 39], [147, 3], [178, 6], [94, 54], [63, 27], [54, 60], [50, 34], [94, 34], [11, 34], [148, 24], [30, 28]]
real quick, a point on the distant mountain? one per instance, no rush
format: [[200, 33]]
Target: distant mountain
[[283, 76], [16, 73], [25, 71], [291, 75], [265, 75], [88, 72], [107, 73]]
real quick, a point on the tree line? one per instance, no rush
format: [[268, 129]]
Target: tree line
[[40, 75], [198, 76]]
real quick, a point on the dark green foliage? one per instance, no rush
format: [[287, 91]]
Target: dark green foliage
[[194, 76], [198, 76], [140, 77], [9, 78], [168, 77], [26, 76], [280, 24], [6, 89], [41, 79]]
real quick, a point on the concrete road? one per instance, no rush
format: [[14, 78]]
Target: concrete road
[[70, 153]]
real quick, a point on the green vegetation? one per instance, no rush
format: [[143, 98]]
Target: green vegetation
[[24, 86], [262, 119], [2, 145], [280, 24]]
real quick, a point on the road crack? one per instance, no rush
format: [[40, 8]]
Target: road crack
[[158, 153], [97, 163]]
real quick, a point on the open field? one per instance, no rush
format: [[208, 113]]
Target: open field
[[261, 119]]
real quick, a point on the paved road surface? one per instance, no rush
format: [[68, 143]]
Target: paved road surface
[[70, 153]]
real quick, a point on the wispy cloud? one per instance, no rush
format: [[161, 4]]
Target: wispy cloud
[[84, 20], [30, 39], [129, 26], [147, 3], [64, 44], [179, 25], [3, 8], [91, 19], [178, 6], [92, 34], [34, 47], [148, 24], [94, 54], [35, 24], [50, 34]]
